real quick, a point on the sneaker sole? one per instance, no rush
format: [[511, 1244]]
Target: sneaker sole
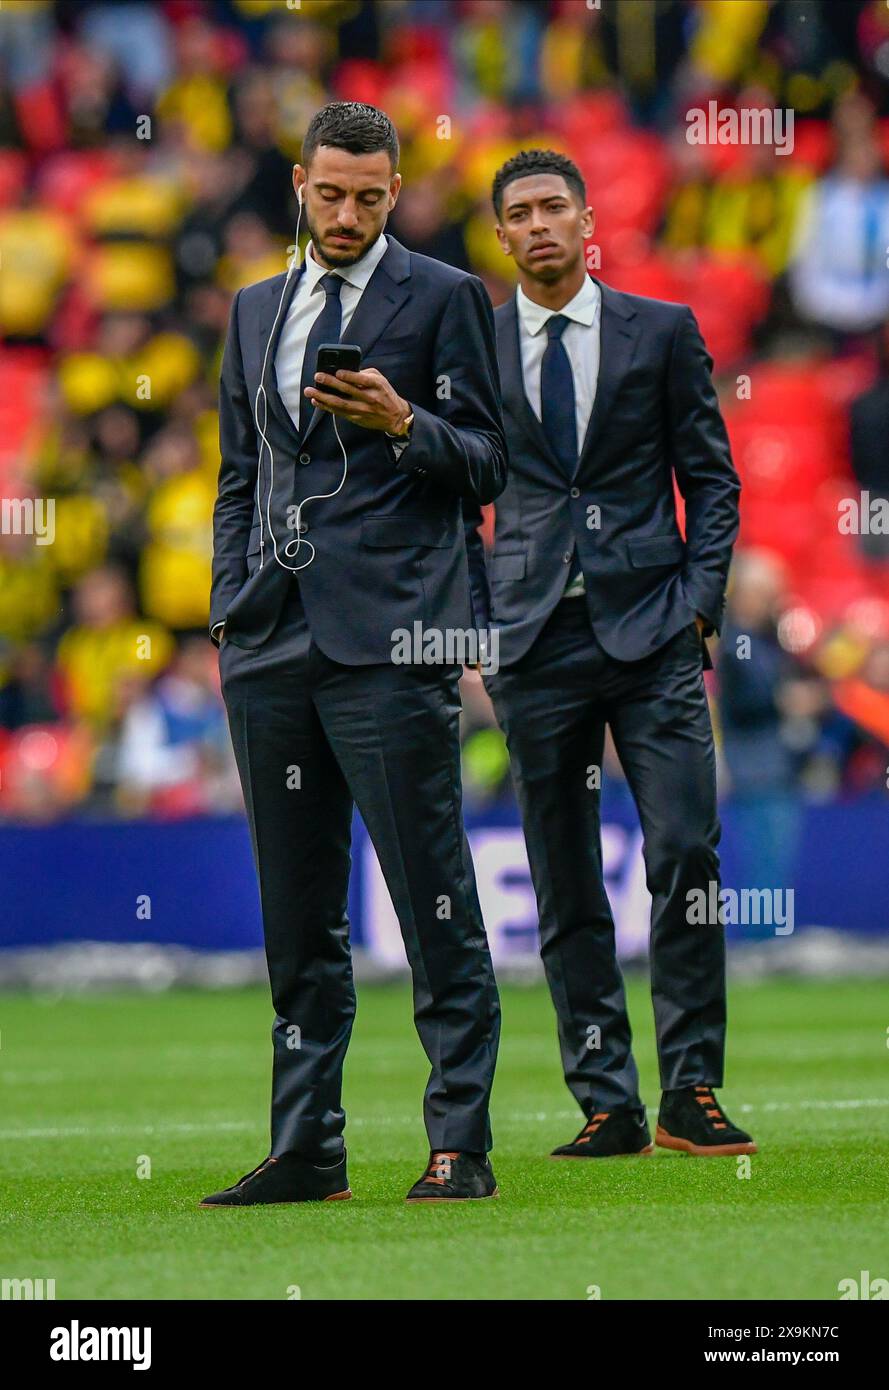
[[667, 1141], [297, 1202], [448, 1201], [629, 1153]]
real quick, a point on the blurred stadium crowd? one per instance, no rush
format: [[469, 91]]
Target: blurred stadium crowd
[[145, 154]]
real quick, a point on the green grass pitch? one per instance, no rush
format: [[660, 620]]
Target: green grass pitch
[[91, 1086]]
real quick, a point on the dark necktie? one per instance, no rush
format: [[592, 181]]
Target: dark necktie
[[557, 396], [557, 407], [326, 329]]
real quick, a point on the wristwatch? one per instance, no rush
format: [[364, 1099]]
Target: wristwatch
[[405, 432]]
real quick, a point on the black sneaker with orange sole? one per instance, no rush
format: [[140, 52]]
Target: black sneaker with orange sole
[[455, 1177], [693, 1122], [288, 1178], [610, 1134]]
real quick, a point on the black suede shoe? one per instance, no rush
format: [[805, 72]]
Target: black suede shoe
[[288, 1178], [454, 1177], [693, 1121], [609, 1134]]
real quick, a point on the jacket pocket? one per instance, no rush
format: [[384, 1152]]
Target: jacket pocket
[[508, 566], [391, 532], [389, 344], [656, 550]]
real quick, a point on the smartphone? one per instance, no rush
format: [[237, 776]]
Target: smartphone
[[333, 356]]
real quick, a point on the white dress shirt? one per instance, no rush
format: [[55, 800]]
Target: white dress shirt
[[581, 340], [306, 305]]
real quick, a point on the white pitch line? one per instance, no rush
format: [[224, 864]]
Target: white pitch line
[[818, 1104], [383, 1121], [87, 1131]]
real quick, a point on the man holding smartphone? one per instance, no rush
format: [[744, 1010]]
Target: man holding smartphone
[[339, 523]]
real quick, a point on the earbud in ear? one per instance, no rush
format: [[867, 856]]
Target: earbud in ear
[[299, 195]]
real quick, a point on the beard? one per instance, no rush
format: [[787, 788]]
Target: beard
[[338, 255]]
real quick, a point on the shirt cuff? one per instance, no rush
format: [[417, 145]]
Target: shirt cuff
[[400, 442]]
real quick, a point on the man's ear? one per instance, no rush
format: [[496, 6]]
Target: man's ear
[[394, 190], [588, 223], [504, 241], [299, 180]]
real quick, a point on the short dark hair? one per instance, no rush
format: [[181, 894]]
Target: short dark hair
[[354, 126], [528, 162]]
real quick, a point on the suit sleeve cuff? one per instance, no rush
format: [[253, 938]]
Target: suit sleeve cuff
[[709, 606], [398, 445]]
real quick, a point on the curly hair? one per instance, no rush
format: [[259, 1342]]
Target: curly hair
[[536, 162]]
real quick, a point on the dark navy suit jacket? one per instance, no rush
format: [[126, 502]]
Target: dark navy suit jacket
[[390, 547], [655, 417]]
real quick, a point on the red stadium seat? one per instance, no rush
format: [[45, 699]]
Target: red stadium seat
[[359, 79], [66, 178], [787, 530], [43, 768], [23, 371], [727, 294], [591, 114], [13, 175], [655, 276], [789, 437], [813, 144], [779, 462], [627, 173]]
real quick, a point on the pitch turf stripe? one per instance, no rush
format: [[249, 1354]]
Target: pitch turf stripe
[[110, 1131], [245, 1126]]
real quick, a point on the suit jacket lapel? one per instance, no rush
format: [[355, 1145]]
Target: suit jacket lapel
[[270, 329], [618, 335]]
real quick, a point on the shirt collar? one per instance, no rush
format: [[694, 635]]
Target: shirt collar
[[357, 274], [583, 308]]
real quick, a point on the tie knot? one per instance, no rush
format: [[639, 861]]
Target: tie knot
[[331, 284], [556, 326]]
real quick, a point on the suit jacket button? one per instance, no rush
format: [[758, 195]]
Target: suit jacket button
[[575, 492], [303, 527], [305, 458], [566, 558]]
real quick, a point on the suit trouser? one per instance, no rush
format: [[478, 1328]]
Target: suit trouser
[[553, 706], [312, 737]]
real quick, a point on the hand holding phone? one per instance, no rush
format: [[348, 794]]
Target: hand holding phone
[[367, 398], [332, 357]]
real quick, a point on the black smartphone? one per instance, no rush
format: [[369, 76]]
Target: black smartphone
[[332, 357]]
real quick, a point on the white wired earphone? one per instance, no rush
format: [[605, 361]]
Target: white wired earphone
[[296, 540]]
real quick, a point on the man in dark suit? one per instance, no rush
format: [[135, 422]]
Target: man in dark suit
[[338, 525], [600, 608]]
